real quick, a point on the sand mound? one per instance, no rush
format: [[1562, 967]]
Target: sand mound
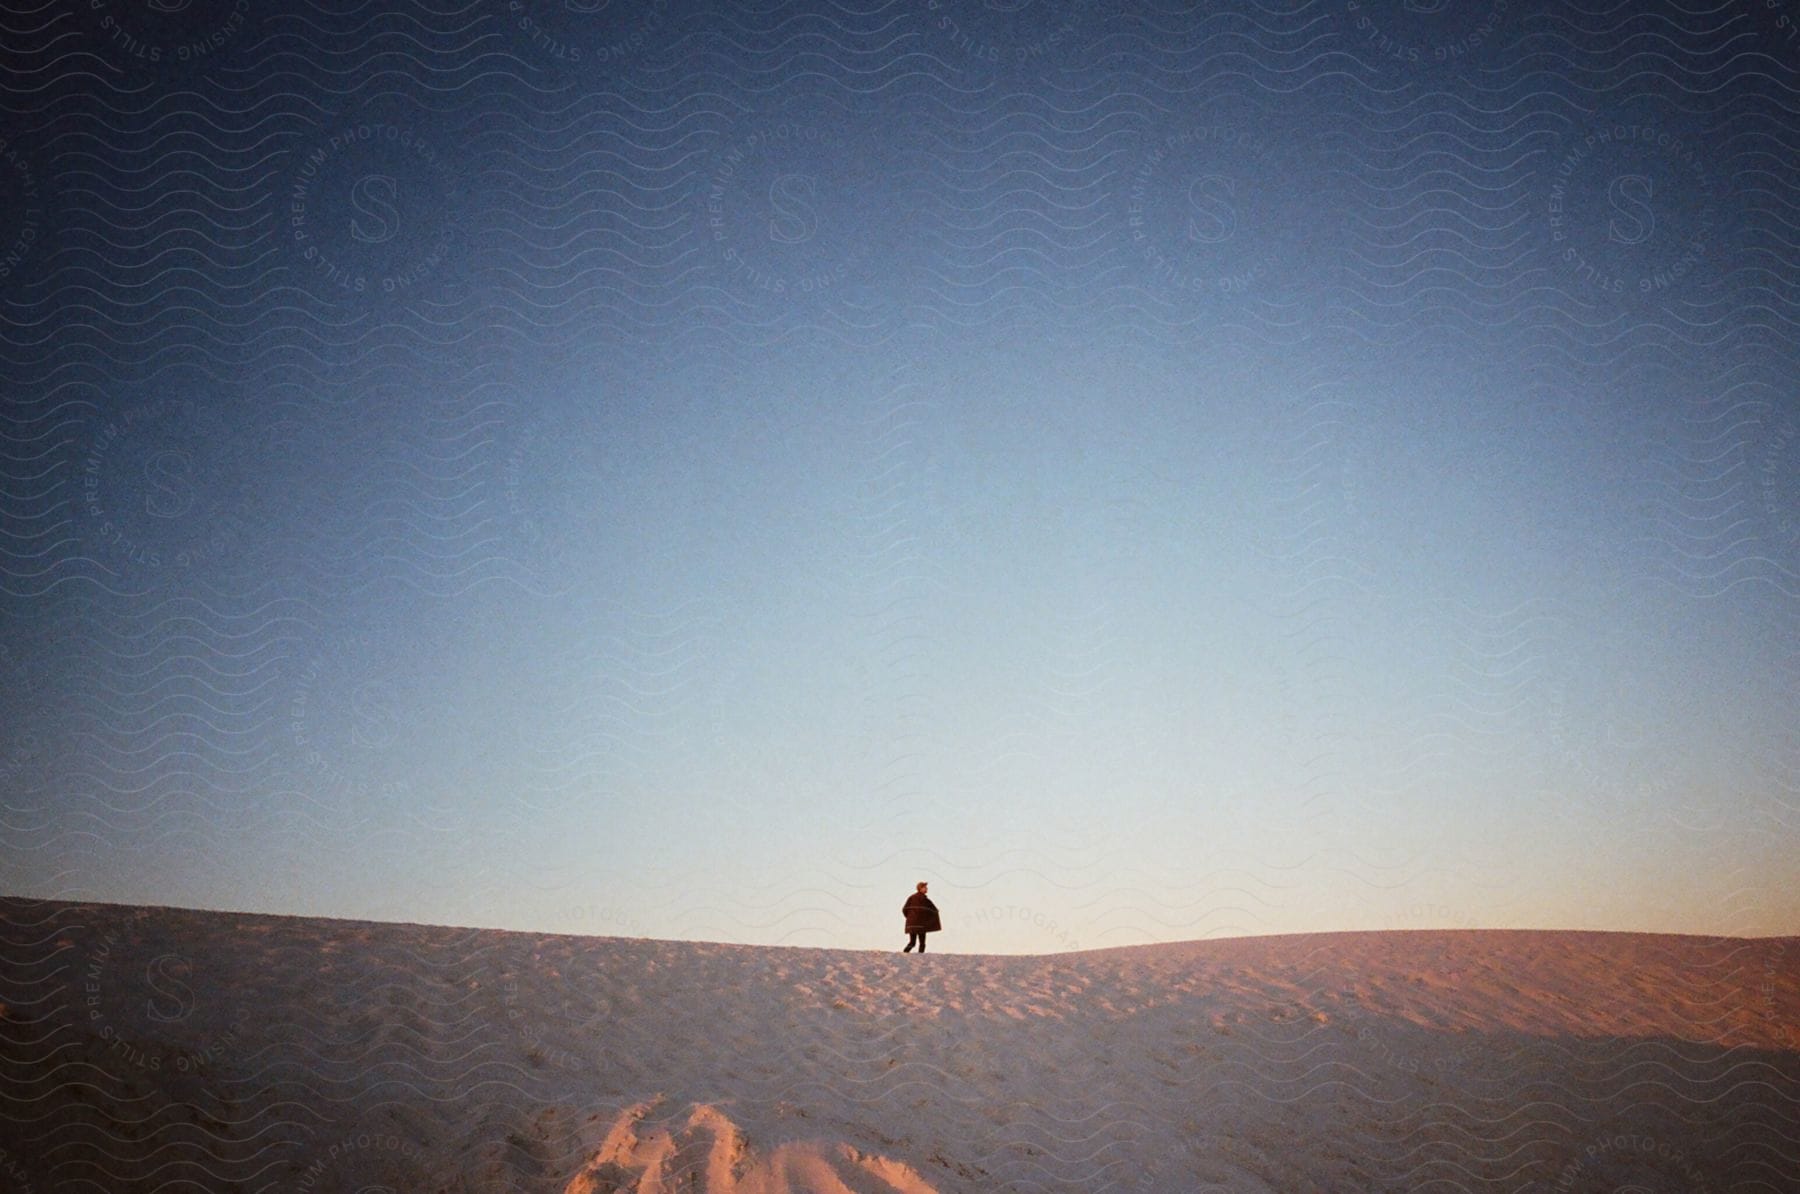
[[706, 1153]]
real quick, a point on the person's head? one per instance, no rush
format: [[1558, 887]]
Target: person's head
[[922, 887]]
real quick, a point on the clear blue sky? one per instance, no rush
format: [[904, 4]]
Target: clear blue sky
[[1197, 477]]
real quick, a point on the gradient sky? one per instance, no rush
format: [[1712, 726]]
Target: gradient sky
[[695, 471]]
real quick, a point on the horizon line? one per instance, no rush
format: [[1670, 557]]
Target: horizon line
[[353, 920]]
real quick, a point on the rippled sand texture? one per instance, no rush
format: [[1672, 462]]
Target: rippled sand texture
[[156, 1049]]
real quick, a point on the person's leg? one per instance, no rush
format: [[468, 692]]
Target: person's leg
[[910, 938], [921, 943]]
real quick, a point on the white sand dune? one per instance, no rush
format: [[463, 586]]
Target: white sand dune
[[160, 1049]]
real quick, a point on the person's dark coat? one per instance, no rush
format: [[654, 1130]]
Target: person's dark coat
[[921, 914]]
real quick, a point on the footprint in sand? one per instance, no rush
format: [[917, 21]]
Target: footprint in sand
[[708, 1154]]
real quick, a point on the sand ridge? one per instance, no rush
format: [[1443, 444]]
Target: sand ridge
[[147, 1046]]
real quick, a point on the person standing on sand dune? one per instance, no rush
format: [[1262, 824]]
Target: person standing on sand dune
[[921, 918]]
